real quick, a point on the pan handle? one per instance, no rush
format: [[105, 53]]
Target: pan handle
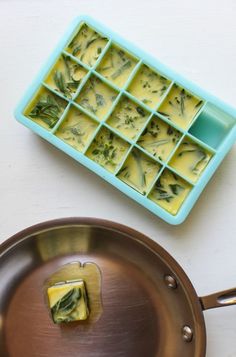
[[220, 299]]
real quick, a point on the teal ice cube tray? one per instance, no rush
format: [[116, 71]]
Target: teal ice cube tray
[[121, 113]]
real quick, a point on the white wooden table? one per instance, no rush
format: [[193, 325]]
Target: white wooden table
[[37, 182]]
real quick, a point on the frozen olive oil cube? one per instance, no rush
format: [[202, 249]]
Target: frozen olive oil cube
[[159, 138], [65, 76], [117, 65], [190, 159], [128, 117], [96, 97], [170, 191], [46, 108], [180, 106], [68, 301], [139, 171], [149, 86], [87, 45], [107, 149], [76, 129]]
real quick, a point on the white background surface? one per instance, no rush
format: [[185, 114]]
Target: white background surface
[[38, 182]]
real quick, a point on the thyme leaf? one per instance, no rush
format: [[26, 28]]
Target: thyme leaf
[[141, 111], [170, 130], [100, 100], [105, 151], [76, 132]]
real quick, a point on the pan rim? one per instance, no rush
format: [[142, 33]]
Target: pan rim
[[183, 279]]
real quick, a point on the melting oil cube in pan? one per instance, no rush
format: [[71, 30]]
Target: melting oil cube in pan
[[73, 293]]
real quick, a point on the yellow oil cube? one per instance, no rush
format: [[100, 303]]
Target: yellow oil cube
[[68, 301]]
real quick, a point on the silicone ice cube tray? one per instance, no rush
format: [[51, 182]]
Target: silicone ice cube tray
[[121, 113]]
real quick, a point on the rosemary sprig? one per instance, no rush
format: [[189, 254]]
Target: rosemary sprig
[[169, 192], [48, 109], [91, 87], [162, 193], [142, 175], [198, 104], [120, 70], [92, 40], [186, 152], [178, 102], [158, 143], [85, 38], [66, 83], [200, 152], [67, 60], [182, 99], [60, 82], [202, 158]]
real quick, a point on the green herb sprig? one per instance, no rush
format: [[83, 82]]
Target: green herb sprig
[[201, 155], [167, 192], [66, 82], [48, 109]]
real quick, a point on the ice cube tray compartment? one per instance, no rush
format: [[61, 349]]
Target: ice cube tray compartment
[[117, 65], [76, 129], [139, 171], [87, 45], [143, 128]]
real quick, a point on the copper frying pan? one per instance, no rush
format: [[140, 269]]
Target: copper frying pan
[[150, 307]]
